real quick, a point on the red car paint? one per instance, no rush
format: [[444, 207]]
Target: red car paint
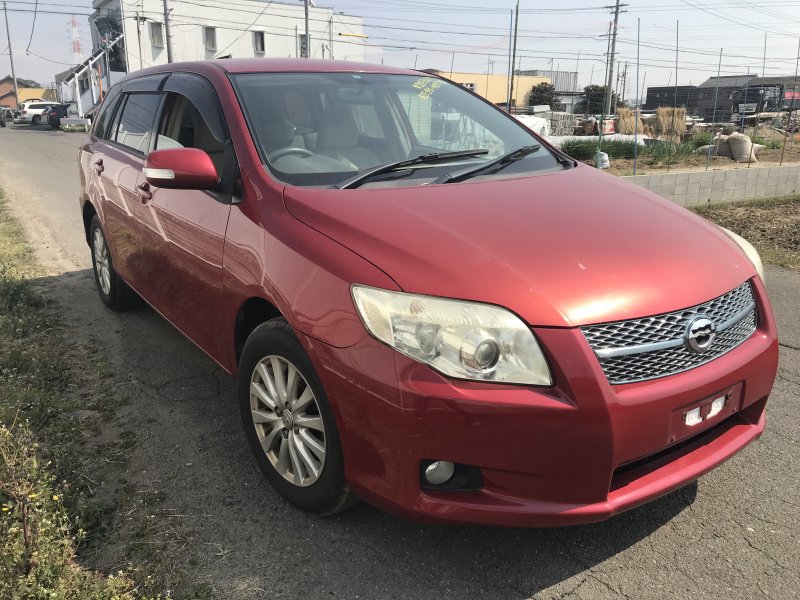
[[560, 250]]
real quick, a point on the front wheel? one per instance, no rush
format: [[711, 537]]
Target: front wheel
[[289, 423], [36, 120]]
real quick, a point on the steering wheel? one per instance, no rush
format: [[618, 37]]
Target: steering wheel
[[281, 152]]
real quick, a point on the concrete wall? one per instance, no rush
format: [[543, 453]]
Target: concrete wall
[[698, 188]]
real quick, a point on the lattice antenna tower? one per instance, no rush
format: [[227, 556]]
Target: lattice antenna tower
[[77, 50]]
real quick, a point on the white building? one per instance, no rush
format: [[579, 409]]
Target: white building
[[134, 34]]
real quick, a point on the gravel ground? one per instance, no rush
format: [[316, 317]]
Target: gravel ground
[[734, 534]]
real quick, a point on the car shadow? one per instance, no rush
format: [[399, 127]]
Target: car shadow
[[42, 128], [249, 540]]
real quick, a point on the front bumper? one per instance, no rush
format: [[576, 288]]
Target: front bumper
[[578, 452]]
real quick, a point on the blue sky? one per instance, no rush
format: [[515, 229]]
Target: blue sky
[[473, 36]]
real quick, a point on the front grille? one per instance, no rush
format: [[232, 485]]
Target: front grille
[[651, 347]]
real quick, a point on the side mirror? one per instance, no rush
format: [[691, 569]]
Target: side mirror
[[180, 168]]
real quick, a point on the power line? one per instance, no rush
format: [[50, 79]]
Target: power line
[[33, 27]]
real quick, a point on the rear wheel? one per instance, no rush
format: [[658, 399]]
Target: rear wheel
[[36, 120], [289, 423], [115, 293]]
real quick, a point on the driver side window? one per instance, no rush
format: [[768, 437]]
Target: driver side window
[[184, 127]]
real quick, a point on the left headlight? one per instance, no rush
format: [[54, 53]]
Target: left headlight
[[466, 340]]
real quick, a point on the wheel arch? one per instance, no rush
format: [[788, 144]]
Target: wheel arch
[[253, 312], [89, 211]]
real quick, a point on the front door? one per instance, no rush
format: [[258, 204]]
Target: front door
[[182, 233]]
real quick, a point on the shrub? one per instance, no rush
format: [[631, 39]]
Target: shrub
[[703, 138]]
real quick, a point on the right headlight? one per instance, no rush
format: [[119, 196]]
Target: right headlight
[[466, 340]]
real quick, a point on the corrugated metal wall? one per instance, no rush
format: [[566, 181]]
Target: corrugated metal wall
[[564, 81]]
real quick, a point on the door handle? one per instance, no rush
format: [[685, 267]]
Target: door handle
[[143, 190], [98, 166]]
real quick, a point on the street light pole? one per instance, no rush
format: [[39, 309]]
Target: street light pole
[[11, 56]]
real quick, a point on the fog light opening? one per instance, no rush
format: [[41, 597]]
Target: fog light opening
[[445, 476], [439, 472]]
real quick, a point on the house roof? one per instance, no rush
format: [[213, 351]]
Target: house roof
[[23, 83], [735, 81]]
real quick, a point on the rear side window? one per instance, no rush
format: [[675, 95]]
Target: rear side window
[[101, 126], [135, 125]]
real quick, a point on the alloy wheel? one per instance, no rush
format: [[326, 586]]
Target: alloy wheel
[[101, 262], [287, 420]]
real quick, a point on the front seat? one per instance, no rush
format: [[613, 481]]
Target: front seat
[[339, 138]]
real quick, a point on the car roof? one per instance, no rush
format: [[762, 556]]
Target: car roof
[[275, 65]]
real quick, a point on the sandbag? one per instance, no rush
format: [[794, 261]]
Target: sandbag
[[758, 148], [720, 142], [741, 148], [709, 150]]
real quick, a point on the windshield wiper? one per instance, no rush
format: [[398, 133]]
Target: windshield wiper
[[434, 157], [494, 165]]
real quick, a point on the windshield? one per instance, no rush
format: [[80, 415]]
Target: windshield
[[320, 129]]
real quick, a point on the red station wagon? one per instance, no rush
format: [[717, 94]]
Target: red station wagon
[[427, 306]]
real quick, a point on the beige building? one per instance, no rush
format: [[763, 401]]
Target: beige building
[[495, 87]]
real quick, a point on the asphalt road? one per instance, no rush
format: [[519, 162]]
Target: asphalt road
[[734, 534]]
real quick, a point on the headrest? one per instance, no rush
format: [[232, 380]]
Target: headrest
[[338, 129]]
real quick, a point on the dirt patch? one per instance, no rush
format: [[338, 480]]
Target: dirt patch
[[72, 525], [773, 227]]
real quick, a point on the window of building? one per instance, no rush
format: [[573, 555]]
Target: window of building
[[210, 38], [303, 46], [136, 122], [157, 34], [258, 42]]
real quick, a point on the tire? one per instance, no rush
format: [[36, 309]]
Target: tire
[[115, 293], [274, 344], [36, 120]]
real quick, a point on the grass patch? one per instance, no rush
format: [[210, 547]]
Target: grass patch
[[56, 396], [652, 154], [771, 225]]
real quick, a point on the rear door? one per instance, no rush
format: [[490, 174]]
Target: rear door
[[183, 231]]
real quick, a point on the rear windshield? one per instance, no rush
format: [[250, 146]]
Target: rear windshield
[[319, 129]]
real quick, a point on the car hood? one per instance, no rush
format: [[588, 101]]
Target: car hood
[[560, 249]]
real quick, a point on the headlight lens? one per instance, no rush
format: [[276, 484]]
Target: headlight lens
[[749, 250], [466, 340]]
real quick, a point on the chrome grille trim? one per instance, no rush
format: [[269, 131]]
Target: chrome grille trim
[[652, 347]]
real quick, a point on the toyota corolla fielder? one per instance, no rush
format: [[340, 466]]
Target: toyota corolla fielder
[[426, 305]]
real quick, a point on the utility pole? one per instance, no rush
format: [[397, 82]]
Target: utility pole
[[11, 56], [308, 38], [610, 81], [167, 32], [514, 57]]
